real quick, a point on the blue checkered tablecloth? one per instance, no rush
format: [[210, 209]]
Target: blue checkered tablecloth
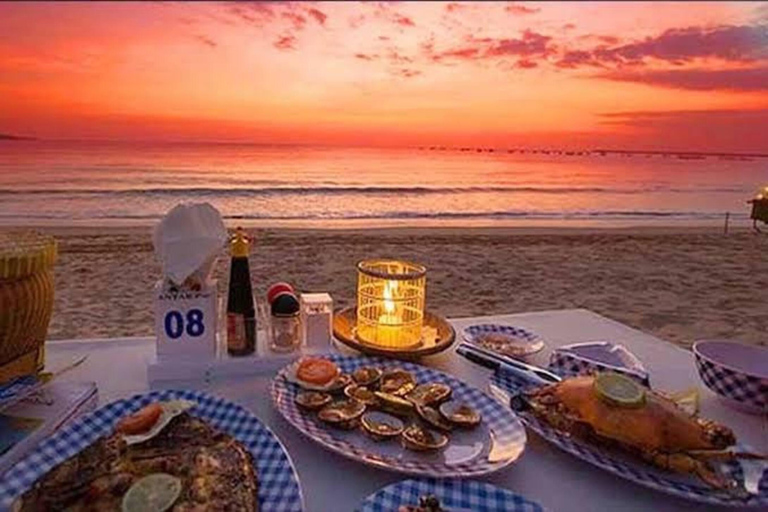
[[278, 484], [631, 469], [507, 430], [467, 494]]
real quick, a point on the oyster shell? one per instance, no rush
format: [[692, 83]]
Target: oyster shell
[[429, 393], [397, 382], [366, 375], [343, 414], [433, 418], [312, 400], [381, 426], [171, 409], [422, 439], [394, 404], [362, 394], [339, 383], [460, 414]]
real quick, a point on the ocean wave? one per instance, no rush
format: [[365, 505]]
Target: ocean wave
[[356, 190], [413, 215]]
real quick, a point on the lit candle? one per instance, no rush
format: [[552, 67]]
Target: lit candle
[[389, 325]]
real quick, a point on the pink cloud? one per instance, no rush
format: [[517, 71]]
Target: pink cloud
[[529, 45], [408, 73], [318, 15], [287, 42], [520, 10], [736, 44], [403, 21], [252, 12], [207, 41], [455, 6], [297, 20], [750, 79], [365, 56]]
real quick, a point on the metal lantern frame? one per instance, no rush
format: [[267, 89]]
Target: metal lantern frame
[[390, 303]]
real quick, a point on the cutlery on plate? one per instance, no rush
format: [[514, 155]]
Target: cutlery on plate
[[528, 372]]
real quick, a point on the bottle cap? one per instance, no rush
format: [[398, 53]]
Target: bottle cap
[[239, 245]]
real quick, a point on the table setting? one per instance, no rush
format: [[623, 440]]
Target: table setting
[[387, 405]]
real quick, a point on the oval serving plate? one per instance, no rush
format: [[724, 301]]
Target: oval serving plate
[[628, 467], [278, 484], [504, 339], [454, 495], [494, 444]]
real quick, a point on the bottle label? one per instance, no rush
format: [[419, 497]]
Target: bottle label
[[236, 331]]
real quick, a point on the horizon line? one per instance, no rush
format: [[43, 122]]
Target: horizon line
[[432, 147]]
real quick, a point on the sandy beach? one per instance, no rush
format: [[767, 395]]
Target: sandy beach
[[678, 284]]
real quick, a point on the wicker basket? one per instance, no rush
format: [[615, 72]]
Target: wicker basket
[[26, 301]]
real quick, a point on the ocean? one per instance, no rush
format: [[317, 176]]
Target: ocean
[[94, 183]]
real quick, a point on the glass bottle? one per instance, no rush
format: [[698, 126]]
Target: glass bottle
[[241, 314]]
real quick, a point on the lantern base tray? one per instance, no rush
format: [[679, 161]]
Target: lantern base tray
[[437, 335]]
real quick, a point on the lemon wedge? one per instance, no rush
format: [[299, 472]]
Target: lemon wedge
[[619, 390], [687, 400], [157, 492]]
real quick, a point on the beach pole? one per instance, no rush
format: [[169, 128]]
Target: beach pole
[[727, 217]]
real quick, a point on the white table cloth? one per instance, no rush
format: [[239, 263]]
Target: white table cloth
[[331, 483]]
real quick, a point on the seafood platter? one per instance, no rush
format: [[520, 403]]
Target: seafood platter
[[646, 436], [451, 495], [398, 416], [161, 451]]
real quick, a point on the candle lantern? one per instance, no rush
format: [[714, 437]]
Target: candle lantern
[[390, 303]]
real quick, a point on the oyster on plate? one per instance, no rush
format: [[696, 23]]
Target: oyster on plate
[[420, 439], [397, 382], [366, 375], [394, 404], [460, 414], [361, 393], [433, 418], [429, 393], [344, 414], [339, 383], [312, 400], [381, 426]]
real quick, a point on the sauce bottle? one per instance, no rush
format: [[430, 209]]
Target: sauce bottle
[[241, 314]]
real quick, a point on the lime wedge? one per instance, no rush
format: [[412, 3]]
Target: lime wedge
[[156, 492], [687, 400], [619, 390]]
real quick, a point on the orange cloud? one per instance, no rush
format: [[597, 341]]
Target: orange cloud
[[389, 73]]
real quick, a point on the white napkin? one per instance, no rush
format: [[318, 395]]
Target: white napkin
[[187, 241]]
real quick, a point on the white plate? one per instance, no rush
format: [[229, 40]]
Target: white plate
[[278, 483], [493, 445], [511, 341], [628, 467], [454, 495]]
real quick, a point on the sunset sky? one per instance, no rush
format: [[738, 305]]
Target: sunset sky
[[579, 74]]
